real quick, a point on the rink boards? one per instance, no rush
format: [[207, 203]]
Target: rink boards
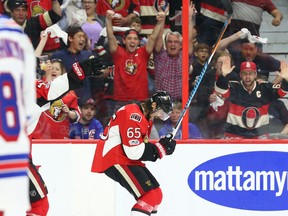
[[202, 177]]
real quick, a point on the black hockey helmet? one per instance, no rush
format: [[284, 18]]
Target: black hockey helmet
[[163, 101]]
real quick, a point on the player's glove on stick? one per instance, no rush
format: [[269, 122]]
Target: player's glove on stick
[[165, 146]]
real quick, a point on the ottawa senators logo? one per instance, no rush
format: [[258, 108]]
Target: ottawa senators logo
[[55, 111], [36, 9], [130, 67], [250, 117], [117, 4]]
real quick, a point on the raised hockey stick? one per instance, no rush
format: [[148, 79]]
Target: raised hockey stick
[[228, 7]]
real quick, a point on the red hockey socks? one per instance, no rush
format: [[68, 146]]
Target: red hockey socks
[[147, 203], [40, 207]]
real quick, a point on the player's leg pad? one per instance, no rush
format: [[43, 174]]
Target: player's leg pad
[[148, 203], [37, 186], [40, 207]]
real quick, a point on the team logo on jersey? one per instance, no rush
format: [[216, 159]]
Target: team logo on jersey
[[130, 67], [92, 133], [36, 8], [55, 111], [135, 117], [134, 142], [117, 4], [250, 117]]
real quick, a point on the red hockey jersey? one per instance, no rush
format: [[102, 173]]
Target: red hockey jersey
[[36, 7], [122, 7], [130, 74], [127, 127], [54, 123]]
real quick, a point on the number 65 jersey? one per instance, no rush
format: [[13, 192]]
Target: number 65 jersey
[[17, 96], [123, 139]]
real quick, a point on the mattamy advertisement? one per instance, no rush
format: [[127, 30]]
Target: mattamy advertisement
[[198, 179], [221, 180], [255, 180]]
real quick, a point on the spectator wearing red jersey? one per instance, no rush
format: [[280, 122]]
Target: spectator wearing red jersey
[[130, 74], [38, 7], [54, 123], [124, 9], [34, 25]]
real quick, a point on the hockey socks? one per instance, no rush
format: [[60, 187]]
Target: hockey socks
[[147, 203]]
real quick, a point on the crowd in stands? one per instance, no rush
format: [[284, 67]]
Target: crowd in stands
[[142, 52]]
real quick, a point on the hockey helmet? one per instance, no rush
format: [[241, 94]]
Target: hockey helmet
[[163, 101]]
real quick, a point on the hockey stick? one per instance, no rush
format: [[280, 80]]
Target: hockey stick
[[228, 7]]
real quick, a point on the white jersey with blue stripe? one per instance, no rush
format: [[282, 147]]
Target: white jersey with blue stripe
[[17, 95]]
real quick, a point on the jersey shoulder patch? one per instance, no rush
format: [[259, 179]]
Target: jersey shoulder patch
[[135, 117]]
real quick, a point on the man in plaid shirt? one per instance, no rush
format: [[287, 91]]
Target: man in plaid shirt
[[168, 62]]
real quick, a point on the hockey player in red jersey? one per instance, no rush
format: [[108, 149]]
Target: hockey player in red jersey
[[124, 145], [248, 115]]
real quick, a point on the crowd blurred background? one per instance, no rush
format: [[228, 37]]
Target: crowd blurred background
[[67, 31]]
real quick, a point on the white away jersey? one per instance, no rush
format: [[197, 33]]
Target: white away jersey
[[17, 96]]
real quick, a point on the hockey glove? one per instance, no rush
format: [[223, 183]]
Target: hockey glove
[[150, 153], [90, 67], [93, 66], [80, 70], [165, 146]]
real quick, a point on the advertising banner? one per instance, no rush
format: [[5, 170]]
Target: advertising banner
[[220, 180], [198, 179]]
